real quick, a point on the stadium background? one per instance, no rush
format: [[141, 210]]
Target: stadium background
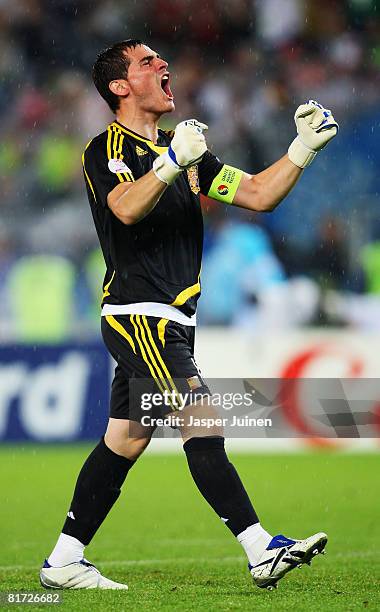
[[298, 286], [303, 279]]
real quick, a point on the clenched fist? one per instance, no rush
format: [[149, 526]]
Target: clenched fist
[[315, 128], [187, 148]]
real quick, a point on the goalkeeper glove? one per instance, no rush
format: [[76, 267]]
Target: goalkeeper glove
[[315, 128], [187, 148]]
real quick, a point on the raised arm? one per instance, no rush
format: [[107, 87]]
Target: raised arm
[[264, 191]]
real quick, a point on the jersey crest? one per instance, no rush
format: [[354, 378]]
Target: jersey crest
[[192, 175]]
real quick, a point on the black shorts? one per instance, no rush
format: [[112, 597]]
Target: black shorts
[[153, 356]]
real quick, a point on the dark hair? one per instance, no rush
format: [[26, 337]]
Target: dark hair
[[112, 63]]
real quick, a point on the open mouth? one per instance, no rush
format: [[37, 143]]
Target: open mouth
[[165, 86]]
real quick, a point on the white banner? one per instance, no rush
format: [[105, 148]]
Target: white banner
[[311, 353]]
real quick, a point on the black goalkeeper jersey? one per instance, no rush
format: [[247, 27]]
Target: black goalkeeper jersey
[[159, 258]]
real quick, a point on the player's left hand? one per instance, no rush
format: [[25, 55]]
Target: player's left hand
[[316, 126]]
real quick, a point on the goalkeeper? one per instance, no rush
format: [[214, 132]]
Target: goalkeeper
[[143, 186]]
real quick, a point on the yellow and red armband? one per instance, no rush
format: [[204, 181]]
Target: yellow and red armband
[[225, 184]]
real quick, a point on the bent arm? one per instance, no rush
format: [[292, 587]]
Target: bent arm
[[265, 190], [131, 202]]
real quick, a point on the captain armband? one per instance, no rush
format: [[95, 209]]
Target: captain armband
[[225, 184]]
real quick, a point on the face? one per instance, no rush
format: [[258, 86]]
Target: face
[[148, 81]]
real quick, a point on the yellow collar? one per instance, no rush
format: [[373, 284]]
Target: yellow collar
[[151, 145]]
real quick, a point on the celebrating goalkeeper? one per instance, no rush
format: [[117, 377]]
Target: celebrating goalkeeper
[[143, 186]]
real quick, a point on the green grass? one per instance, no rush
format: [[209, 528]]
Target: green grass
[[166, 543]]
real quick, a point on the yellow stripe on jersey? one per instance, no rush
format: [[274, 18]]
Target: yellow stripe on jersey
[[88, 178], [109, 139], [85, 171], [186, 294], [149, 143], [119, 328], [161, 330], [106, 287], [114, 143], [115, 151], [119, 151], [111, 148]]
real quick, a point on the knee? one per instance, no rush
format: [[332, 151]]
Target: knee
[[201, 421], [131, 448], [126, 438], [134, 447]]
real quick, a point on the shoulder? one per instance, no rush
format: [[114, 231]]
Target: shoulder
[[96, 146]]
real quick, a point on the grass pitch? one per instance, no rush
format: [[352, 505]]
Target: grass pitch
[[167, 544]]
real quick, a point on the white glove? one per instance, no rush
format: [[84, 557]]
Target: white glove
[[315, 128], [187, 148]]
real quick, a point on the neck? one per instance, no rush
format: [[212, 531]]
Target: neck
[[144, 124]]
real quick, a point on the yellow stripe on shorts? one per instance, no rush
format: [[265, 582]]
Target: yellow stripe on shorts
[[119, 328]]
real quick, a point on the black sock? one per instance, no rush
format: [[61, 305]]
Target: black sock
[[97, 489], [219, 483]]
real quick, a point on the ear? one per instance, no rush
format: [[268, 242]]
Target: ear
[[119, 87]]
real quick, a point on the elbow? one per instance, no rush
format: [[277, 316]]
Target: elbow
[[260, 198], [126, 215], [128, 219], [123, 217], [263, 202], [268, 206], [120, 206]]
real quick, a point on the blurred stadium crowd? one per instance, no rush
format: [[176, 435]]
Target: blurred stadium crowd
[[241, 66]]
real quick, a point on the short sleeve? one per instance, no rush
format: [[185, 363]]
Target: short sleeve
[[208, 169], [217, 180], [103, 171]]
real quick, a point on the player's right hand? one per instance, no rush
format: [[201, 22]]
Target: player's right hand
[[189, 144], [316, 126], [187, 148]]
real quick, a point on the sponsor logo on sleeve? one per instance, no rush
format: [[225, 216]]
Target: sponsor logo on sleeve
[[117, 165]]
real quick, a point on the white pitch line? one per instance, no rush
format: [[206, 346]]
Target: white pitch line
[[129, 562], [9, 568], [178, 560]]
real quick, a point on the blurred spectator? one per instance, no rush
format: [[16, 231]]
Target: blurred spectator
[[41, 293], [241, 69], [241, 259], [370, 260], [329, 258], [278, 32], [259, 295]]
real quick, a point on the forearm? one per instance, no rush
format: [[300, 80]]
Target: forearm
[[131, 202], [265, 190], [315, 128]]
